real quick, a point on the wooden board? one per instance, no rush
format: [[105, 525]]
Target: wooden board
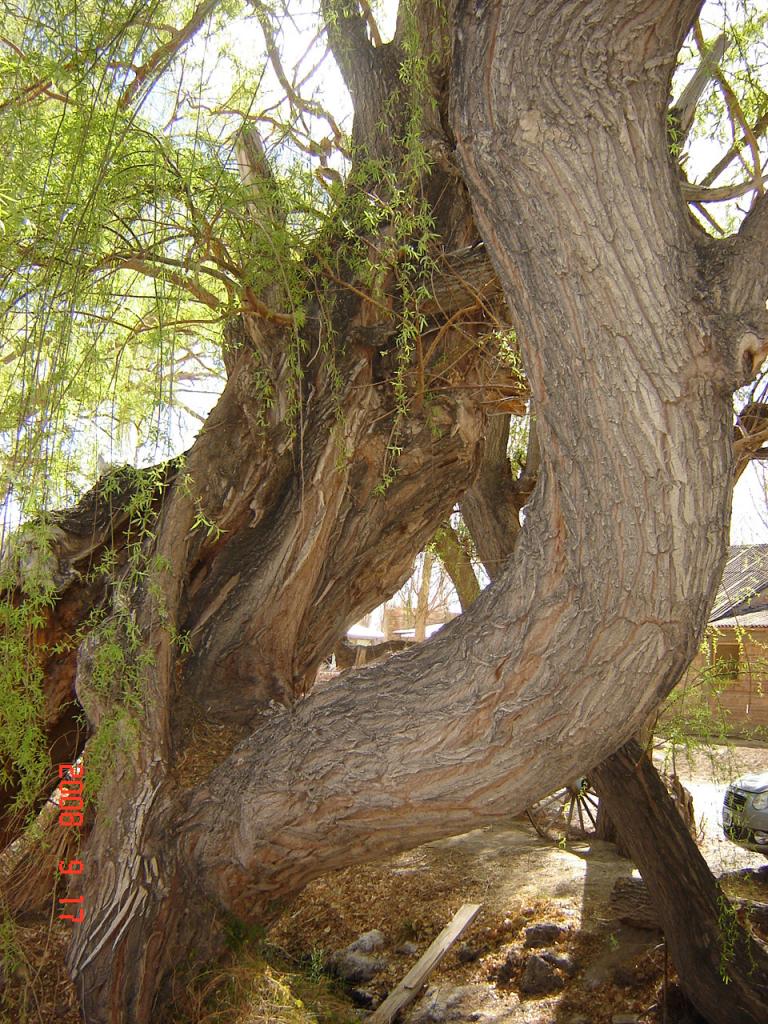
[[414, 980]]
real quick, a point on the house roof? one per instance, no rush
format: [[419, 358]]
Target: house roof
[[361, 632], [744, 587], [748, 620]]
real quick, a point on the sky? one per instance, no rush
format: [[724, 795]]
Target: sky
[[749, 519]]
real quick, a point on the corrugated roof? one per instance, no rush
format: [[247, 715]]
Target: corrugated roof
[[744, 587], [746, 621]]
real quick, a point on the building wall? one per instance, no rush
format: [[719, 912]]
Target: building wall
[[729, 679]]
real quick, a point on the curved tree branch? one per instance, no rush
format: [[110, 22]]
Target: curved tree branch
[[757, 129], [700, 194]]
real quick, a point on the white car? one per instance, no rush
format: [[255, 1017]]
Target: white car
[[745, 812]]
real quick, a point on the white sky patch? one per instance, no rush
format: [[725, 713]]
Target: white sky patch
[[749, 520]]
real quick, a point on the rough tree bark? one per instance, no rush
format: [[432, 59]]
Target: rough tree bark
[[559, 123], [723, 970]]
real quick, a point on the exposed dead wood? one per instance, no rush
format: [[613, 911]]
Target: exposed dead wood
[[347, 654], [631, 903], [408, 989]]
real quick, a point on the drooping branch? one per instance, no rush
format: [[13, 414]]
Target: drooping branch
[[80, 543], [159, 60]]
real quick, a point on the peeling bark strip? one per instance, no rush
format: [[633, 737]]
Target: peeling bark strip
[[559, 123]]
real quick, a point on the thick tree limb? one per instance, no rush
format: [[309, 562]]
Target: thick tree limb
[[685, 107], [749, 271], [346, 25], [746, 287], [491, 506]]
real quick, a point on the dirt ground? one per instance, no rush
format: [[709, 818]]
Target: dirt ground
[[521, 879]]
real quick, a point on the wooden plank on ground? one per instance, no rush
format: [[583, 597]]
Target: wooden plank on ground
[[414, 980]]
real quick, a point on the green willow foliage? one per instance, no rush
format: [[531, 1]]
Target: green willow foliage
[[128, 238], [124, 243]]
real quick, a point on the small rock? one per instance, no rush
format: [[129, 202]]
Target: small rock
[[510, 966], [563, 962], [543, 934], [355, 968], [407, 949], [626, 977], [460, 1004], [540, 977], [363, 998], [368, 942], [467, 954]]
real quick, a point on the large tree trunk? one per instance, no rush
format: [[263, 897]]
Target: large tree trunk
[[722, 968], [560, 128]]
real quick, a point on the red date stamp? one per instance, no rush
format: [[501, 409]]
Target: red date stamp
[[70, 803]]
